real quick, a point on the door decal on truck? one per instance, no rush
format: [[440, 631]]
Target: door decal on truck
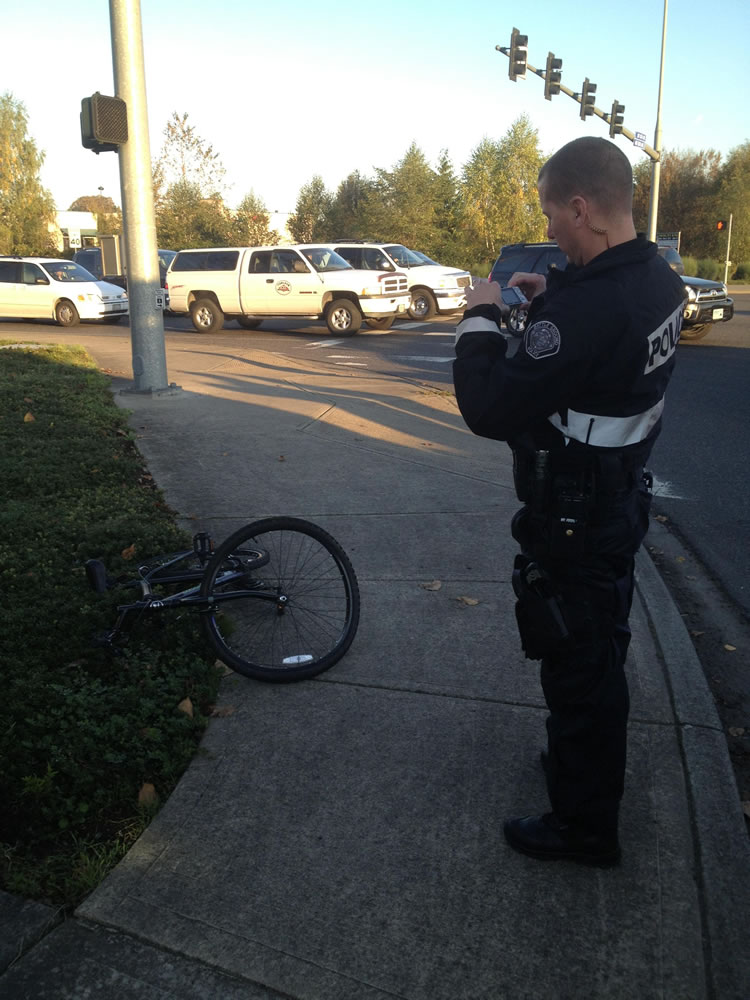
[[283, 287]]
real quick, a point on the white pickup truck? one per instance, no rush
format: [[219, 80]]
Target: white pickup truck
[[250, 284]]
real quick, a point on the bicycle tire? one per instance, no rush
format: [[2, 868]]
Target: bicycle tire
[[295, 614]]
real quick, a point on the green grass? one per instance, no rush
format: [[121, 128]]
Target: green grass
[[81, 731]]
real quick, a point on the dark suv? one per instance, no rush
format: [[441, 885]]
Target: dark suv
[[91, 259], [706, 301]]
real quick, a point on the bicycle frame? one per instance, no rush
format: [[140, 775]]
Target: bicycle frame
[[158, 574]]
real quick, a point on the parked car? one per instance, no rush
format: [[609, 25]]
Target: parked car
[[706, 301], [434, 288], [303, 281], [91, 259], [38, 288]]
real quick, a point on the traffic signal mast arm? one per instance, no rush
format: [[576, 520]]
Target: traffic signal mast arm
[[577, 97]]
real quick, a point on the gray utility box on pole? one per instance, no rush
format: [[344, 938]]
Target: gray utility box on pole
[[112, 256]]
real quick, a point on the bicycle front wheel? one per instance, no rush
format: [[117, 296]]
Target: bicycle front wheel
[[283, 600]]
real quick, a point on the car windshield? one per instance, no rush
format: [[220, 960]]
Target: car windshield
[[166, 257], [323, 259], [403, 256], [423, 257], [67, 270]]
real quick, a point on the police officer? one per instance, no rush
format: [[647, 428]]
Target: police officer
[[579, 401]]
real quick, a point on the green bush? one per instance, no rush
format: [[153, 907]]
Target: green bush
[[81, 731], [711, 269], [691, 265], [742, 271]]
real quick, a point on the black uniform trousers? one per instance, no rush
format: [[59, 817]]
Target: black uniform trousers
[[584, 682]]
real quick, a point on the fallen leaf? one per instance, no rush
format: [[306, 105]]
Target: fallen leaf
[[660, 517], [736, 731], [729, 647], [223, 668], [281, 458], [221, 712], [433, 585], [29, 418], [468, 601], [129, 552], [147, 795], [695, 633], [680, 559], [28, 399], [186, 706]]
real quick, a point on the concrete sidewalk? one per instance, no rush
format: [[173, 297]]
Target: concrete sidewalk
[[341, 839]]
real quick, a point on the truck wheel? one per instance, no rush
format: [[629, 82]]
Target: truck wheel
[[423, 305], [248, 322], [66, 314], [380, 322], [697, 332], [342, 316], [207, 317], [516, 321]]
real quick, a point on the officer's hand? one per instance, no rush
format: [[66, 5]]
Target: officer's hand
[[530, 284], [484, 292]]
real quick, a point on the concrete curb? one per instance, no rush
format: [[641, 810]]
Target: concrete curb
[[722, 849]]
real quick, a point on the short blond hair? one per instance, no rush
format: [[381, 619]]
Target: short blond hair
[[593, 168]]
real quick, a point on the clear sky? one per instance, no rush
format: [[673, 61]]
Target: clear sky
[[286, 91]]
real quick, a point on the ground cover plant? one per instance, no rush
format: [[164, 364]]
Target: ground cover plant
[[89, 743]]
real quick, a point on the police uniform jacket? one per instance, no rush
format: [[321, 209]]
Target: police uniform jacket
[[590, 374]]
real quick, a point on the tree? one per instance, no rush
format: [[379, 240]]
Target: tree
[[346, 218], [687, 198], [404, 207], [184, 219], [500, 200], [733, 197], [108, 215], [250, 225], [27, 210], [447, 243], [186, 158], [307, 224]]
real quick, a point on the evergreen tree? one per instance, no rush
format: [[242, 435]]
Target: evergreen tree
[[308, 223], [27, 210], [404, 207], [347, 215]]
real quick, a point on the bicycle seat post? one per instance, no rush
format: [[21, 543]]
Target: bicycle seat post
[[203, 546]]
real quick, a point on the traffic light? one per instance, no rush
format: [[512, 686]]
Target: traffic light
[[588, 98], [721, 225], [615, 118], [552, 76], [517, 56], [104, 123]]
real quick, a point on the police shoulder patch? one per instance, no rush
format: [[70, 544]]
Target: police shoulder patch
[[542, 339]]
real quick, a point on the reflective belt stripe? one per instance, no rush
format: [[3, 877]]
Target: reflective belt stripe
[[479, 324], [608, 432]]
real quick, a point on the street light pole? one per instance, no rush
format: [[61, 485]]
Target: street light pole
[[653, 207]]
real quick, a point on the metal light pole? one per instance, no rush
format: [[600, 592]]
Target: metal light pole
[[653, 207], [139, 224]]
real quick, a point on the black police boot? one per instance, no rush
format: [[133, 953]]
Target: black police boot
[[550, 839]]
